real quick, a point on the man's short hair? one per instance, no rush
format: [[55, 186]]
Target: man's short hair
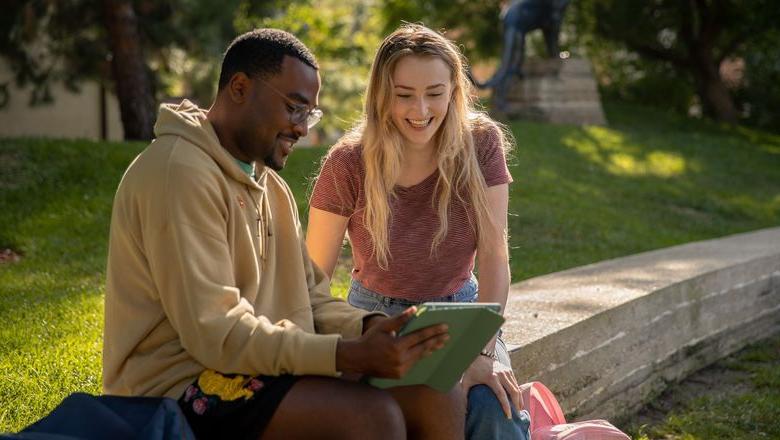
[[260, 53]]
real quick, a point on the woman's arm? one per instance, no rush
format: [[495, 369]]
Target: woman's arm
[[493, 265], [492, 254], [324, 236]]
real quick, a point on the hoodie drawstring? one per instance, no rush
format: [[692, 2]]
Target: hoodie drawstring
[[264, 218]]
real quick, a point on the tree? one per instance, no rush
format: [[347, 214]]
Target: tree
[[693, 37], [476, 25], [66, 41], [136, 102], [343, 35], [134, 47]]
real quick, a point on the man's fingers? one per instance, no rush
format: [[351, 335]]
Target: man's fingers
[[422, 335], [395, 323], [426, 347]]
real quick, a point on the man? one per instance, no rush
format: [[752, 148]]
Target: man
[[211, 298]]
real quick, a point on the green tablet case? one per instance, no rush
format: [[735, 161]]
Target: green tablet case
[[471, 325]]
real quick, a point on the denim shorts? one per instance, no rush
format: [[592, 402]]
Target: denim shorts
[[363, 298]]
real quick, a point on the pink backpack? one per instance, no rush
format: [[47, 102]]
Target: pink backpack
[[548, 422]]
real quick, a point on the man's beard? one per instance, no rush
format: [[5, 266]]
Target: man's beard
[[272, 163]]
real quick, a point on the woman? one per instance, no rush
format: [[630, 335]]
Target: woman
[[421, 185]]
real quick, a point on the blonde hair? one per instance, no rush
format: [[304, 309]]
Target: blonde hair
[[459, 171]]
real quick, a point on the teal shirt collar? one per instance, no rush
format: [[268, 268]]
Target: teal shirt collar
[[248, 168]]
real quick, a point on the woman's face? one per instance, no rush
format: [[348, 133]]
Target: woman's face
[[421, 97]]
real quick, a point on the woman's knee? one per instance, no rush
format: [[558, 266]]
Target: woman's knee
[[482, 399], [485, 418]]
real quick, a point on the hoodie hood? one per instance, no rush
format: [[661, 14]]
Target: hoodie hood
[[188, 121]]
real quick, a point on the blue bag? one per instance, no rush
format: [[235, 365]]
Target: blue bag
[[86, 417]]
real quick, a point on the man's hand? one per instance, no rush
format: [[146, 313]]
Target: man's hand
[[498, 377], [380, 353], [372, 320]]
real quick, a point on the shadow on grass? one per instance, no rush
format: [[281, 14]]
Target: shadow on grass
[[735, 398]]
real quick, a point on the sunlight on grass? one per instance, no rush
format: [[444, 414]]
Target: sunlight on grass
[[48, 351], [610, 150]]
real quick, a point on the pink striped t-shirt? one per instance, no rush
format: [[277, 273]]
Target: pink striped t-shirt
[[413, 273]]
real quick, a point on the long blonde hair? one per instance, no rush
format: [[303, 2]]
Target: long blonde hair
[[459, 170]]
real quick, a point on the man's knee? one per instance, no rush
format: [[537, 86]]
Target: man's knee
[[455, 399], [382, 410], [372, 408], [333, 408], [446, 422]]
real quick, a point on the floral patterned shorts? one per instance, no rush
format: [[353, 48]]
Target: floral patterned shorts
[[231, 405]]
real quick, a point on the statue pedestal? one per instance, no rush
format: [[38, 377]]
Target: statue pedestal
[[554, 90]]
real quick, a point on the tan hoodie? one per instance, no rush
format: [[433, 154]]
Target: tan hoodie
[[208, 269]]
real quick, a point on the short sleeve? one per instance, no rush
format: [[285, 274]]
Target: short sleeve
[[491, 156], [336, 189]]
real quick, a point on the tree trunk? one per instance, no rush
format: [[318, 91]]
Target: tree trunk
[[715, 98], [133, 89], [717, 101]]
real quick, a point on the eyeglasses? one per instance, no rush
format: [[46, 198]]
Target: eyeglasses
[[298, 112]]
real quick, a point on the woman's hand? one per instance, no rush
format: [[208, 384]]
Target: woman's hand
[[498, 377]]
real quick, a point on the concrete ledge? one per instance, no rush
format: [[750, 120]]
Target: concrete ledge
[[608, 337]]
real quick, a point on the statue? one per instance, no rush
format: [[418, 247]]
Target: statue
[[519, 18]]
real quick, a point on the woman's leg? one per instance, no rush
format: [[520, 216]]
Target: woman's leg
[[486, 420]]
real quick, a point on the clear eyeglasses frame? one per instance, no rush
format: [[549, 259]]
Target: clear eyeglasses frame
[[299, 112]]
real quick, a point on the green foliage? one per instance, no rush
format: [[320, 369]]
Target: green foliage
[[580, 195], [66, 41], [647, 51], [50, 41], [761, 96], [475, 25], [343, 34]]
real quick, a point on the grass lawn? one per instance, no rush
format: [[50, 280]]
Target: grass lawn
[[580, 195], [736, 398]]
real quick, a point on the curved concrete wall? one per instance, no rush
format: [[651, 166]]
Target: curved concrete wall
[[608, 337]]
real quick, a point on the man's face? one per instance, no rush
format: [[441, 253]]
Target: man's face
[[266, 133]]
